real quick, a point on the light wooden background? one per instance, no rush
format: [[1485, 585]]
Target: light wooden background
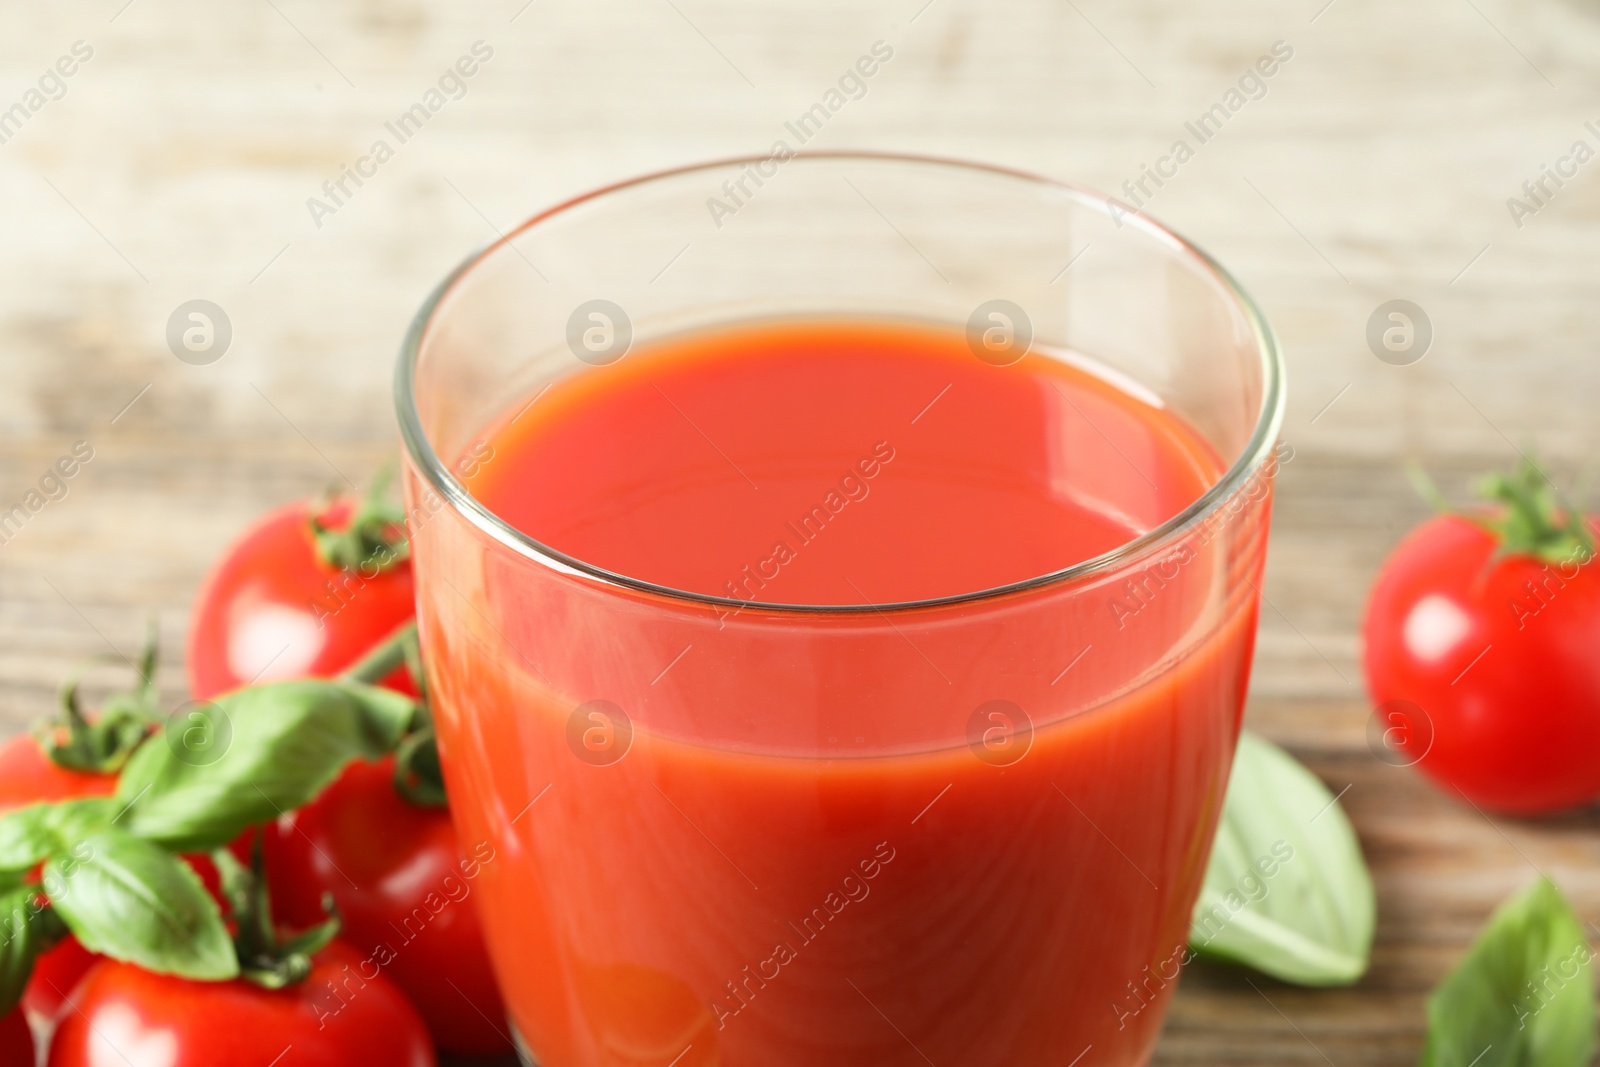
[[178, 164]]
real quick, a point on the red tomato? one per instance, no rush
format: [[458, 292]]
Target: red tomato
[[55, 974], [1494, 665], [272, 609], [28, 776], [344, 1013], [16, 1041], [403, 889]]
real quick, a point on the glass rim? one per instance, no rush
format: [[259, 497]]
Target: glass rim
[[442, 479]]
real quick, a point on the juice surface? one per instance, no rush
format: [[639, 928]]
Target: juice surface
[[782, 465], [801, 847]]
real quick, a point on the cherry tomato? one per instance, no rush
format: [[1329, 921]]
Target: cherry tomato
[[345, 1012], [403, 888], [272, 608], [1485, 669], [16, 1040], [28, 776]]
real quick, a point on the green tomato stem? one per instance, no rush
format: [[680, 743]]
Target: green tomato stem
[[384, 657]]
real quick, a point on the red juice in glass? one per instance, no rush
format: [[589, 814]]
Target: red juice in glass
[[836, 689]]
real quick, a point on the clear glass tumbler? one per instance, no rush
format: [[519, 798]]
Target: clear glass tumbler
[[801, 845]]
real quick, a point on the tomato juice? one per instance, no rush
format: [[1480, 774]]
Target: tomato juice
[[785, 816]]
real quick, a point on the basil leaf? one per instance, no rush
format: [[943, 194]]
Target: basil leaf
[[267, 749], [134, 901], [26, 930], [25, 837], [28, 926], [1287, 891], [28, 835], [1524, 993]]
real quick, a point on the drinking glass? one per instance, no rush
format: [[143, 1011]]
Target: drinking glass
[[964, 831]]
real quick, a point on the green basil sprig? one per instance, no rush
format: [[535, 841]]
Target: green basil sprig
[[1524, 993], [268, 749], [31, 835], [135, 901], [123, 897], [1287, 891]]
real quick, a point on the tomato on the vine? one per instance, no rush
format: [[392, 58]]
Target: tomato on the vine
[[345, 1012], [402, 888], [1482, 651], [330, 586], [304, 592]]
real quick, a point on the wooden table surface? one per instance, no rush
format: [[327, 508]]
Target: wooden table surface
[[1377, 165]]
